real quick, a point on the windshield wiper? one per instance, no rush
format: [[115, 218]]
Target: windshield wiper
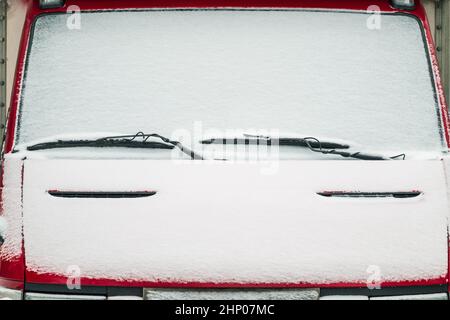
[[139, 140], [311, 143], [289, 141], [60, 144], [356, 155]]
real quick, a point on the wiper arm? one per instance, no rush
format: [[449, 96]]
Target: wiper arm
[[146, 136], [126, 141]]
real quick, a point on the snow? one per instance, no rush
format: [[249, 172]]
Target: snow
[[231, 294], [3, 226], [12, 207], [228, 223], [161, 71], [446, 162]]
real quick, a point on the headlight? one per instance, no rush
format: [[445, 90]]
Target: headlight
[[10, 294]]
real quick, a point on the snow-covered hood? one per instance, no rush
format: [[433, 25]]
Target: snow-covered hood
[[232, 223]]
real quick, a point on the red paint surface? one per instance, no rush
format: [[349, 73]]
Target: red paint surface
[[12, 270], [33, 277]]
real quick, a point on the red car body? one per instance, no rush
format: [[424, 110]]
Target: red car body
[[13, 274]]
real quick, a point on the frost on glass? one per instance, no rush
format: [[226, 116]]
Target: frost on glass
[[319, 73]]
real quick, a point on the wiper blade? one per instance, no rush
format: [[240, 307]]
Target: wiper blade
[[60, 144], [126, 141], [311, 143], [281, 141], [346, 154]]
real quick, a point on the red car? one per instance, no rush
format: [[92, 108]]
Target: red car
[[217, 149]]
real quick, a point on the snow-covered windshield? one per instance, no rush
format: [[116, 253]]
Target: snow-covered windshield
[[323, 74]]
